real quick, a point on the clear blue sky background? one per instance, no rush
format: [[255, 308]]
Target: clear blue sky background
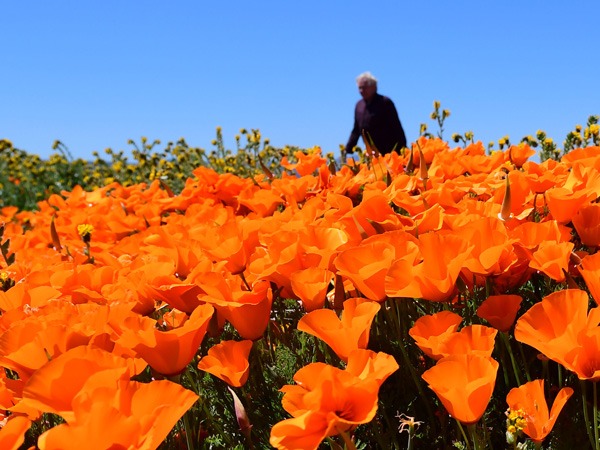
[[94, 74]]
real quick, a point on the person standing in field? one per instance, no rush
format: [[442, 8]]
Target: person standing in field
[[375, 116]]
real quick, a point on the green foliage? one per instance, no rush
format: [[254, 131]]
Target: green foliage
[[26, 179]]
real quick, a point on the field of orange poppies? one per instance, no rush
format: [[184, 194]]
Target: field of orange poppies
[[439, 298]]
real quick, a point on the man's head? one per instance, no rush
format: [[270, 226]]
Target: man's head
[[367, 85]]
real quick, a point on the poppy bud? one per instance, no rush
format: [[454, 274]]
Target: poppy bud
[[423, 167], [505, 213], [241, 415]]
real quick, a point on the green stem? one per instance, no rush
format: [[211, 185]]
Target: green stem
[[188, 430], [505, 372], [474, 436], [488, 438], [595, 410], [245, 282], [512, 357], [416, 380], [585, 413], [560, 377], [349, 445], [411, 432], [464, 435], [488, 287], [524, 362]]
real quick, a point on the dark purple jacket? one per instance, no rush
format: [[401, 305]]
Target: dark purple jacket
[[380, 119]]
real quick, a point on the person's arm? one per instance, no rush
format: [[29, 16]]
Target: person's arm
[[395, 126]]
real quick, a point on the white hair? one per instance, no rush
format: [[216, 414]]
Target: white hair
[[367, 77]]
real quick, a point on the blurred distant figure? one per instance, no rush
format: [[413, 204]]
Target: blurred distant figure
[[376, 115]]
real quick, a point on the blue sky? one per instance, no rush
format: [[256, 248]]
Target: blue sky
[[95, 74]]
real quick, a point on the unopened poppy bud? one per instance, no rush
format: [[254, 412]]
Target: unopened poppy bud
[[571, 283], [241, 415], [575, 259], [505, 213], [423, 167]]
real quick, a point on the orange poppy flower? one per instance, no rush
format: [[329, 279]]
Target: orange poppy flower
[[435, 277], [25, 293], [167, 352], [519, 154], [306, 163], [83, 283], [155, 281], [231, 243], [30, 343], [585, 358], [493, 250], [374, 214], [585, 154], [283, 257], [293, 189], [585, 176], [53, 387], [500, 310], [304, 432], [531, 234], [171, 242], [477, 163], [590, 271], [125, 414], [228, 361], [311, 286], [247, 310], [530, 401], [559, 327], [263, 202], [432, 219], [444, 167], [552, 325], [472, 339], [564, 203], [344, 334], [378, 261], [367, 364], [325, 402], [542, 177], [552, 259], [428, 147], [12, 433], [366, 265], [464, 384], [319, 245], [10, 391], [400, 193], [587, 224], [429, 332]]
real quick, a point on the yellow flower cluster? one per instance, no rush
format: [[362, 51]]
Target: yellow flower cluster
[[85, 229], [516, 421]]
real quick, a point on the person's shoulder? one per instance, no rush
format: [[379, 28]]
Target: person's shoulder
[[386, 99]]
